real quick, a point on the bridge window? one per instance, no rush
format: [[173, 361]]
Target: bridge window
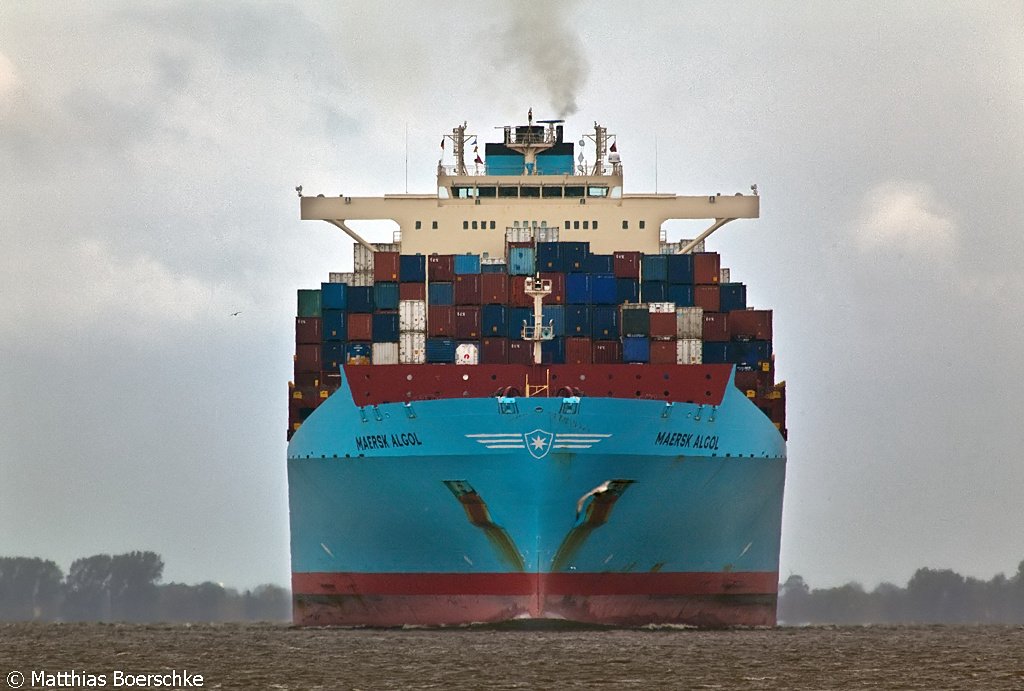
[[586, 225], [625, 225], [529, 191], [574, 191], [474, 225], [433, 225], [489, 192], [597, 191], [492, 225], [462, 192], [595, 225], [643, 224], [575, 225], [465, 225], [419, 224], [568, 225], [551, 191], [508, 191]]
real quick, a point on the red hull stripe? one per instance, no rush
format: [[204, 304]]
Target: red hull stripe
[[743, 583]]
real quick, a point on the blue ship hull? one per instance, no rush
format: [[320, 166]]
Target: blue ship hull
[[599, 510]]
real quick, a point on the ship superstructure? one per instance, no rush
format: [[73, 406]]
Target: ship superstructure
[[531, 404]]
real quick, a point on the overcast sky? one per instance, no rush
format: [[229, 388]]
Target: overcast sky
[[149, 154]]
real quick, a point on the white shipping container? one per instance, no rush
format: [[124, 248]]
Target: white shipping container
[[669, 247], [412, 348], [517, 234], [387, 246], [385, 354], [412, 315], [467, 354], [547, 234], [362, 278], [661, 307], [689, 322], [723, 276], [689, 351], [698, 248], [341, 277], [362, 259]]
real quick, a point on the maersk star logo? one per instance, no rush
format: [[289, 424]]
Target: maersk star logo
[[538, 442]]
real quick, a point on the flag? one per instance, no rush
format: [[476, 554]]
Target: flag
[[442, 143], [478, 159], [614, 148]]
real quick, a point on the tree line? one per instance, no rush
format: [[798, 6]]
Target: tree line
[[931, 596], [126, 587]]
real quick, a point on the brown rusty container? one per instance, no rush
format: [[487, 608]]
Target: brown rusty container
[[663, 326], [520, 353], [706, 268], [607, 352], [440, 321], [412, 291], [663, 352], [707, 297], [467, 322], [753, 325], [494, 289], [360, 327], [308, 330], [579, 351], [716, 326], [626, 264], [557, 295], [307, 357], [494, 351], [385, 266], [467, 289], [441, 267]]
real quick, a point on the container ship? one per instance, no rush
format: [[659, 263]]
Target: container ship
[[533, 405]]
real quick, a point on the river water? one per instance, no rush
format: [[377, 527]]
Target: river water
[[267, 656]]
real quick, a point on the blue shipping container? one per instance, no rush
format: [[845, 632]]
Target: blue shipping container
[[554, 315], [654, 291], [334, 325], [573, 256], [577, 320], [385, 295], [358, 354], [467, 264], [521, 261], [749, 352], [516, 317], [385, 327], [494, 320], [679, 268], [412, 268], [577, 289], [440, 350], [715, 352], [553, 352], [654, 267], [332, 296], [680, 294], [549, 256], [604, 322], [627, 290], [360, 299], [732, 296], [441, 294], [600, 263], [494, 268], [332, 355], [603, 290], [636, 349]]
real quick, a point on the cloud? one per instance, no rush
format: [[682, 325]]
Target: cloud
[[907, 218]]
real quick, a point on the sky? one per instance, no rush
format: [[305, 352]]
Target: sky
[[149, 153]]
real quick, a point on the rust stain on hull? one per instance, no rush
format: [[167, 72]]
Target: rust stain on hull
[[480, 516], [593, 511]]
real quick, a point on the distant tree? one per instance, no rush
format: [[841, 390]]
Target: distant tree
[[888, 603], [133, 585], [267, 603], [30, 589], [937, 596], [794, 601], [87, 589]]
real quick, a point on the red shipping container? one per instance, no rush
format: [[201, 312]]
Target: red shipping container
[[626, 264], [412, 291], [517, 292], [440, 321], [755, 325], [385, 266], [494, 351], [663, 325], [520, 243], [360, 326], [663, 352], [579, 351], [441, 267], [706, 268], [520, 352], [557, 295], [493, 289], [467, 322], [307, 379], [748, 381], [467, 289], [716, 326], [307, 357], [308, 330], [607, 352], [708, 297]]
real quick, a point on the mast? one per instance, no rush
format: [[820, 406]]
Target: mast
[[537, 288]]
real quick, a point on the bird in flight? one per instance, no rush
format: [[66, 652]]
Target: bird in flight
[[235, 314]]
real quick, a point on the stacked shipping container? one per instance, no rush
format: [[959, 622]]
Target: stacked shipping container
[[466, 309]]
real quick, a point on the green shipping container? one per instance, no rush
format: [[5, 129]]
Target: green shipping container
[[309, 303]]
